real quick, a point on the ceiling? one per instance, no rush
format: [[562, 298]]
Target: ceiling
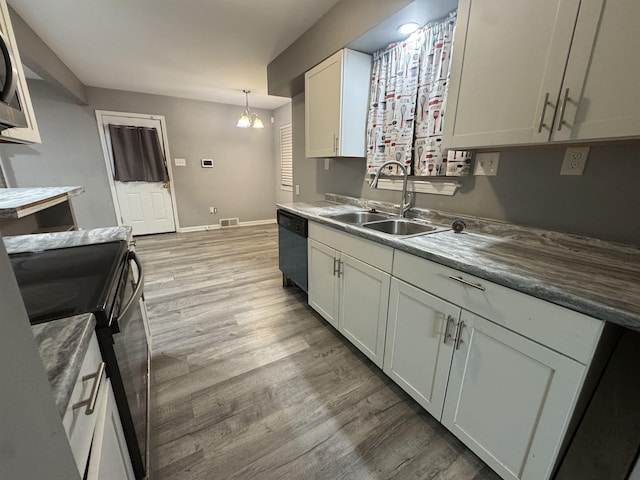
[[200, 49]]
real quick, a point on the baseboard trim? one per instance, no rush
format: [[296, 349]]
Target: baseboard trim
[[204, 228]]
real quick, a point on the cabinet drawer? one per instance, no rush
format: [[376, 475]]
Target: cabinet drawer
[[563, 330], [374, 254], [78, 425]]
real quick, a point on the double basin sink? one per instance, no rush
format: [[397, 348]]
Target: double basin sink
[[383, 223]]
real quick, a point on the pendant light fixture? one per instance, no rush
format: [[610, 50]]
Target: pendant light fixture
[[249, 118]]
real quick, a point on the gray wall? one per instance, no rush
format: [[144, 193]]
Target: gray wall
[[241, 182], [343, 23], [528, 189], [70, 154], [282, 116]]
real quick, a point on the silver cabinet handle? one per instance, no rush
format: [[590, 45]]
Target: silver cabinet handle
[[336, 270], [335, 143], [563, 108], [465, 282], [447, 334], [458, 341], [544, 110], [340, 272], [93, 397]]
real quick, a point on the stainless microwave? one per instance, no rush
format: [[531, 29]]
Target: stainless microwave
[[11, 111]]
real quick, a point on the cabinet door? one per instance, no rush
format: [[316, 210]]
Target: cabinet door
[[364, 297], [418, 349], [323, 284], [30, 133], [109, 454], [508, 65], [509, 399], [323, 86], [601, 82]]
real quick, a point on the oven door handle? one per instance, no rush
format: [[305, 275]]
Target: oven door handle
[[137, 292]]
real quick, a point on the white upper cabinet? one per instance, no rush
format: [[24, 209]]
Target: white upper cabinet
[[546, 71], [336, 105], [30, 133], [602, 77]]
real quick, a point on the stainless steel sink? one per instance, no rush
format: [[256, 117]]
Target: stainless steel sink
[[402, 227], [358, 217]]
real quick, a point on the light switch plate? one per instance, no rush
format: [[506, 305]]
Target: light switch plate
[[575, 159], [180, 162], [487, 163]]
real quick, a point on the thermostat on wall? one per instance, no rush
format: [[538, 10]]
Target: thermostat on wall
[[207, 163]]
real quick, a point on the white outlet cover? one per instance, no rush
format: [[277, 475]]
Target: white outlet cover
[[487, 163], [180, 162], [575, 159]]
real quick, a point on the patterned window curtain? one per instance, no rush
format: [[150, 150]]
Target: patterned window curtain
[[408, 98]]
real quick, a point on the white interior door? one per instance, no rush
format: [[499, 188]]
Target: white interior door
[[146, 206]]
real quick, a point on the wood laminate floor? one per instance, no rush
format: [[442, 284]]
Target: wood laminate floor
[[249, 382]]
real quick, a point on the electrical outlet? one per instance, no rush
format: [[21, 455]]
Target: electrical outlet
[[575, 159], [297, 189], [180, 162], [327, 163], [487, 163]]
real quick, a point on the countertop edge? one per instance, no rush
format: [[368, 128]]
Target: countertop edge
[[63, 360], [549, 293], [41, 194]]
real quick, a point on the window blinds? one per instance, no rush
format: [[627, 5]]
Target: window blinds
[[286, 157]]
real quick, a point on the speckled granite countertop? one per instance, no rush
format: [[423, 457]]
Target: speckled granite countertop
[[12, 200], [598, 278], [48, 241], [62, 345]]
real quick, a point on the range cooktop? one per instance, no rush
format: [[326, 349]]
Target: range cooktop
[[69, 281]]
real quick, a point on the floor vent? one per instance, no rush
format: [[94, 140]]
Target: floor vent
[[229, 222]]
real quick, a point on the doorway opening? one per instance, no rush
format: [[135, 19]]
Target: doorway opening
[[148, 206]]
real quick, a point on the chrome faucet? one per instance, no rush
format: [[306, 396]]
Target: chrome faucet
[[405, 203]]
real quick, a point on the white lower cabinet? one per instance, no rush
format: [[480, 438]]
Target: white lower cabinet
[[504, 379], [419, 344], [109, 455], [349, 288], [92, 423], [322, 281], [509, 398], [364, 297]]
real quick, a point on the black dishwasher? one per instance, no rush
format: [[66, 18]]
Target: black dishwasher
[[292, 249]]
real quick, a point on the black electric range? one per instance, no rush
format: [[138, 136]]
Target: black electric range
[[105, 279], [62, 282]]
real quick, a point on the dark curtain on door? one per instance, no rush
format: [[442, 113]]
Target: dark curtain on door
[[137, 154]]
